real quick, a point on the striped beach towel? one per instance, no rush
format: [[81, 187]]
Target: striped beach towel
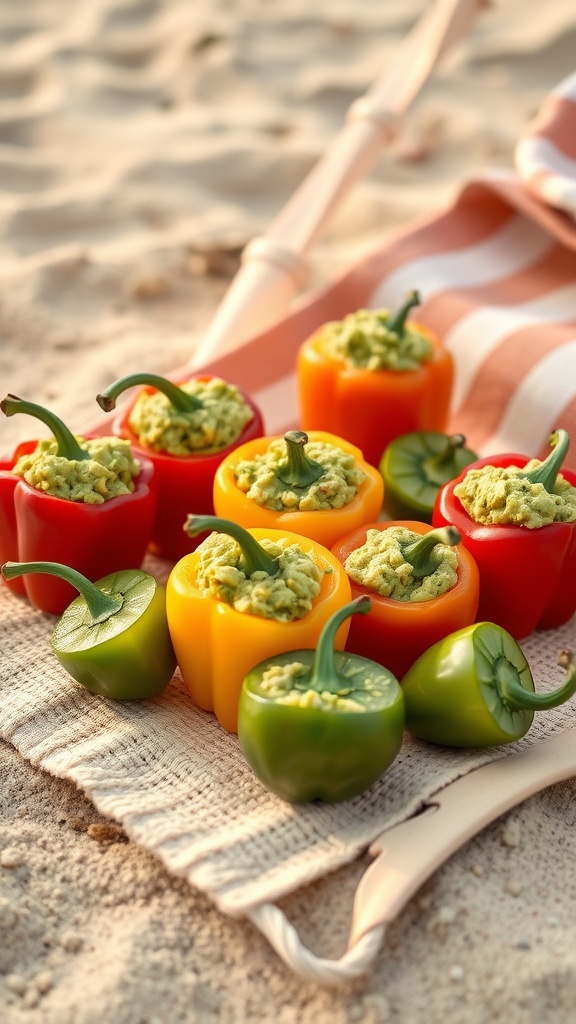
[[497, 275]]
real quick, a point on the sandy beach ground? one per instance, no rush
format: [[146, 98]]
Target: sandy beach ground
[[142, 144]]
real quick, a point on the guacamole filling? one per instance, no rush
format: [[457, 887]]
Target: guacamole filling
[[108, 473], [502, 495], [286, 596], [362, 340], [379, 564], [338, 485], [216, 425], [287, 684]]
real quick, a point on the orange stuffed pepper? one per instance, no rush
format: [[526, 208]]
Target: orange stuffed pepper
[[373, 376], [423, 585], [317, 485], [242, 597]]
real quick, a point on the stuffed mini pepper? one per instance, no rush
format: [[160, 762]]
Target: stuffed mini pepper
[[317, 485], [422, 584], [185, 430], [517, 517], [320, 724], [373, 376], [85, 502], [243, 596]]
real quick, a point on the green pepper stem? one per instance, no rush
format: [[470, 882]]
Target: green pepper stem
[[256, 558], [68, 447], [436, 466], [397, 323], [324, 676], [548, 470], [418, 552], [299, 470], [100, 605], [517, 698], [180, 399]]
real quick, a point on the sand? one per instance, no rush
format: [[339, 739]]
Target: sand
[[142, 144]]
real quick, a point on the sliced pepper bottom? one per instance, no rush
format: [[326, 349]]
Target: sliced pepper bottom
[[452, 692]]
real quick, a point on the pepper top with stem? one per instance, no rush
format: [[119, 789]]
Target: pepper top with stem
[[299, 470], [113, 638], [325, 676], [418, 552], [255, 557], [547, 472], [181, 400], [68, 447], [332, 673], [396, 324]]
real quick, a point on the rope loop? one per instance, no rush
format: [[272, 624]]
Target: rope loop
[[284, 939]]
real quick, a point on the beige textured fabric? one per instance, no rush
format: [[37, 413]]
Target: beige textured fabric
[[178, 784]]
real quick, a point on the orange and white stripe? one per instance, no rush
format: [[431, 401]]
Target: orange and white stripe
[[497, 276], [546, 154]]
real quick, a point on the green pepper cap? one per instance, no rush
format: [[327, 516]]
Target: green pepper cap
[[516, 697], [415, 466], [68, 447], [182, 400], [443, 465]]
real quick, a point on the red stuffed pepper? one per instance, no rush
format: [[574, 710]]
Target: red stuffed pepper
[[95, 537], [526, 564], [185, 430]]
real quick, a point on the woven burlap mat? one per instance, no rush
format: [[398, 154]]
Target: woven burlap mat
[[179, 785]]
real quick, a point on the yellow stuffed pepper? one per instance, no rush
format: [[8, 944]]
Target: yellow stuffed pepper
[[244, 596], [317, 485]]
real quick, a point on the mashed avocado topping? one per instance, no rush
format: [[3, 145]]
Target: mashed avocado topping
[[337, 485], [288, 595], [366, 340], [382, 565], [108, 473], [287, 684], [215, 425], [503, 495]]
